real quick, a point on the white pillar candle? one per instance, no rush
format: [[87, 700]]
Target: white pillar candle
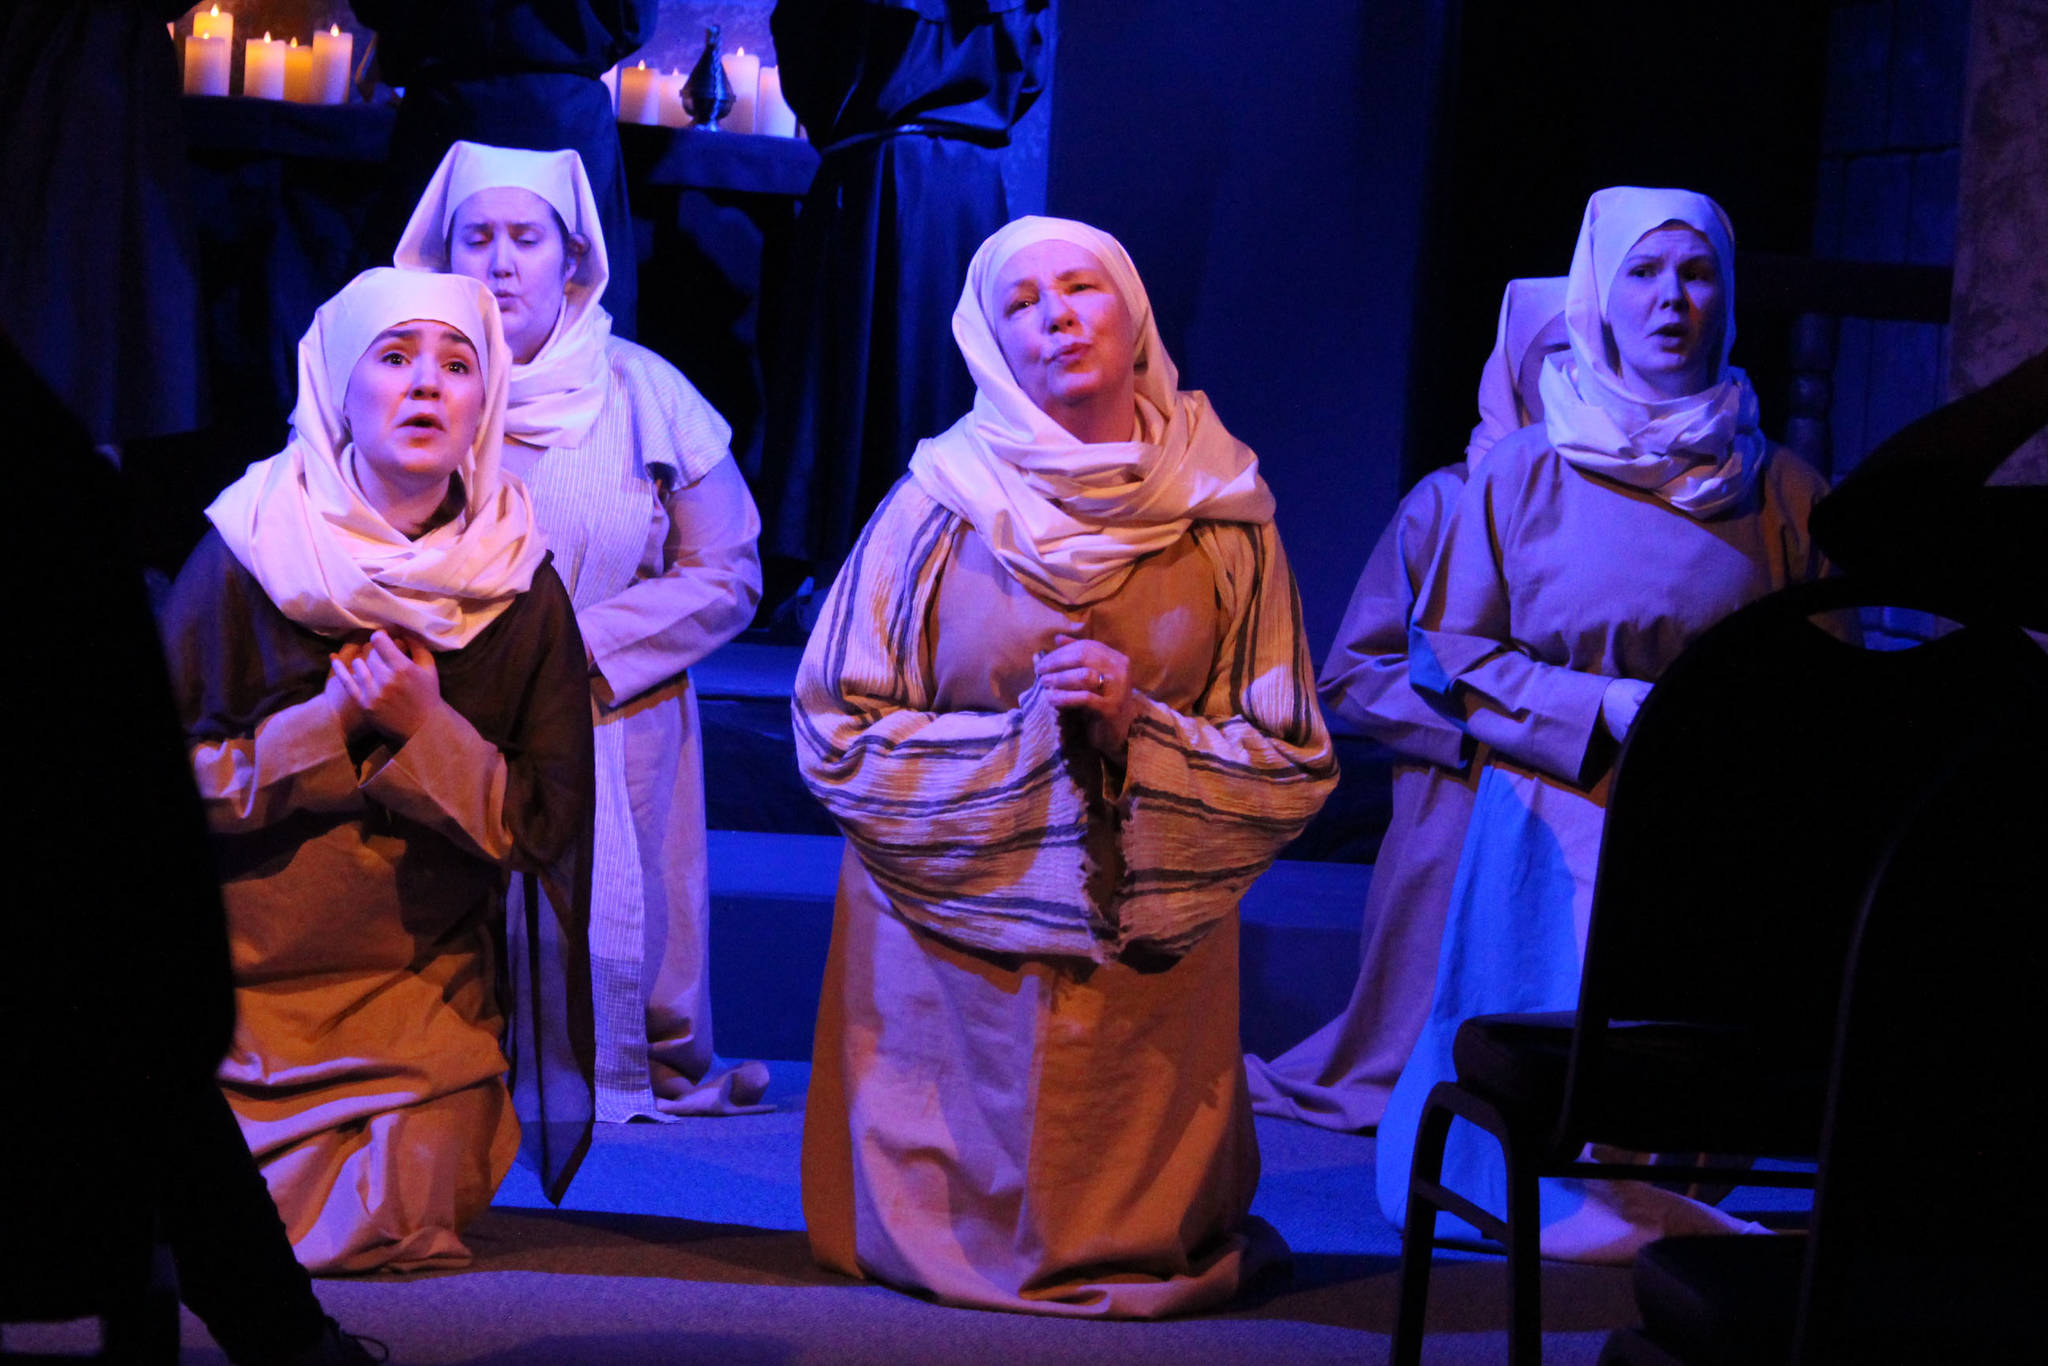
[[206, 66], [263, 68], [333, 51], [743, 70], [673, 114], [214, 25], [298, 73], [772, 114], [639, 95]]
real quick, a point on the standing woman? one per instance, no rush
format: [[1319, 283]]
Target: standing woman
[[382, 686], [1584, 555], [653, 531], [1060, 703], [1339, 1076]]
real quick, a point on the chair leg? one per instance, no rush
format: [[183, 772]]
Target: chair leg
[[1525, 1264], [1418, 1236]]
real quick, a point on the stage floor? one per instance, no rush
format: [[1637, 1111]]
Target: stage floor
[[682, 1243]]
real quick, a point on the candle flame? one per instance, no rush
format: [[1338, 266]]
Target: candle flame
[[641, 67], [295, 42], [742, 52], [266, 35], [334, 30], [216, 9]]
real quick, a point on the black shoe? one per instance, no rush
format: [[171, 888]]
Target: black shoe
[[338, 1347]]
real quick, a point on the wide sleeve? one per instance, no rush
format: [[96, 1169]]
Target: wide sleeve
[[1210, 798], [970, 822], [705, 594], [541, 702], [1463, 656], [262, 741], [296, 760], [1364, 683]]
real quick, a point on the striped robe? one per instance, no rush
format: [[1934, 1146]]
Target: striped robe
[[1027, 1091], [981, 827]]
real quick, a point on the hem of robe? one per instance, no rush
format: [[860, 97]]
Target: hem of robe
[[1213, 1279]]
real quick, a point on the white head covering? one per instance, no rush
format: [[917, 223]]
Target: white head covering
[[300, 524], [556, 396], [1699, 453], [1527, 309], [1070, 518]]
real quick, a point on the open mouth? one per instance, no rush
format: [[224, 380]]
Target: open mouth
[[424, 423]]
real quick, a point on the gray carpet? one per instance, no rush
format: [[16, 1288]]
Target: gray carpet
[[682, 1243]]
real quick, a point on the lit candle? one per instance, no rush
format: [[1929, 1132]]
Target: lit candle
[[263, 68], [332, 53], [298, 73], [206, 66], [673, 114], [214, 25], [744, 71], [772, 114], [639, 95]]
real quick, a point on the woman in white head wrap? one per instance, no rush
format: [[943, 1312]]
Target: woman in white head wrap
[[1339, 1077], [653, 529], [382, 684], [1581, 558], [1059, 701]]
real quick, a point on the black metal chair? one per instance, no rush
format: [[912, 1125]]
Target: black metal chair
[[1708, 1000], [1910, 1259]]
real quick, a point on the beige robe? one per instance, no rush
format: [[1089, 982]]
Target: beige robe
[[1044, 1132]]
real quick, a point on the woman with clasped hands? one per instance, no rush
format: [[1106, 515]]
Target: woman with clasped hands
[[1059, 701], [382, 685]]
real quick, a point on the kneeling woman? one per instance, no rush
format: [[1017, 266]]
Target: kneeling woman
[[383, 687], [1059, 701]]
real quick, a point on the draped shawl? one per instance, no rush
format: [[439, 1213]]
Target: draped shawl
[[300, 524], [1699, 453], [1070, 518], [1528, 310], [554, 398]]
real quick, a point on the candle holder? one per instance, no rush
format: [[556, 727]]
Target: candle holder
[[708, 95]]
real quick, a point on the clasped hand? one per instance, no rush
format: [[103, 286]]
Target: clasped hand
[[1088, 678], [377, 684]]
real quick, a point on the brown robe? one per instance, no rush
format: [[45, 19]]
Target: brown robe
[[365, 891]]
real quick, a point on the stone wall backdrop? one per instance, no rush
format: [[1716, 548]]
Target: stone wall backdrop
[[2001, 296], [1891, 149]]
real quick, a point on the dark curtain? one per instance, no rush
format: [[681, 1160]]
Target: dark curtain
[[910, 104], [98, 261], [510, 73]]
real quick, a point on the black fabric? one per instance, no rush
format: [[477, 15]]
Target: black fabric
[[1675, 1086], [1918, 514], [1927, 1235], [521, 682], [866, 364], [1720, 1301], [509, 73], [98, 259], [115, 995]]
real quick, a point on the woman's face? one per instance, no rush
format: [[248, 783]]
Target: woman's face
[[1069, 338], [414, 401], [1666, 310], [510, 239]]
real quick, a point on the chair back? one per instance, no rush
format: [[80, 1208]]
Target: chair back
[[1926, 1241], [1758, 789]]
